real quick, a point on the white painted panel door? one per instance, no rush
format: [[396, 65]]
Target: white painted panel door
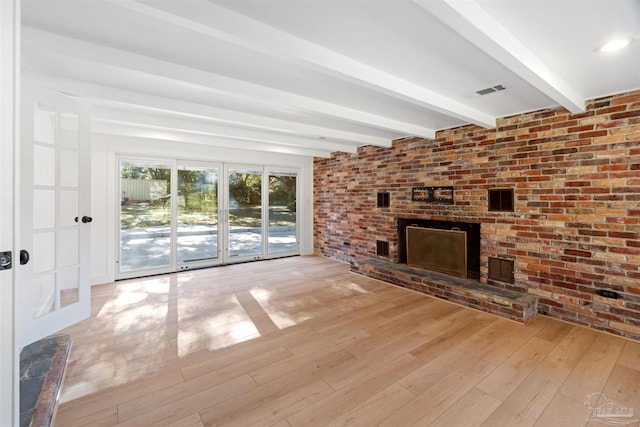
[[55, 223]]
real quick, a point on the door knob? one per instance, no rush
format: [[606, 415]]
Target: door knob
[[86, 219], [24, 256]]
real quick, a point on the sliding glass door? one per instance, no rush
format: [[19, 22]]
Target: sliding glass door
[[197, 216], [244, 203], [283, 197], [177, 215], [145, 215]]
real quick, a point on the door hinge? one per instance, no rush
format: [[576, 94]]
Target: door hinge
[[5, 260]]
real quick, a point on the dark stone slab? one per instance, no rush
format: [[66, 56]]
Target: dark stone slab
[[42, 367]]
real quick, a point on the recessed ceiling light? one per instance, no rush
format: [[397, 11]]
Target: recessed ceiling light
[[613, 45]]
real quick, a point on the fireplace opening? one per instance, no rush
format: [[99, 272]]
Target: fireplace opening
[[442, 243]]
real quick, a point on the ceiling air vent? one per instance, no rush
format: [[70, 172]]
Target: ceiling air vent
[[489, 90]]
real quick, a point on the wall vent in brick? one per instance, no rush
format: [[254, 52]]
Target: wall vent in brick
[[382, 248], [501, 270], [501, 200], [384, 200]]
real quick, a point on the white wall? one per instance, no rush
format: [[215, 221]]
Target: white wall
[[105, 201]]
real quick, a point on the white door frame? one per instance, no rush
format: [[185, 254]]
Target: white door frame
[[9, 139]]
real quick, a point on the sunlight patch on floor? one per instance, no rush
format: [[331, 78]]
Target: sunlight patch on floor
[[223, 328], [279, 318]]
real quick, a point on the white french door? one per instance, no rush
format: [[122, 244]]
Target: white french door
[[55, 218]]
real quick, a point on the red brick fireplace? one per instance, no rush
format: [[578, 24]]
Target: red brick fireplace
[[573, 235]]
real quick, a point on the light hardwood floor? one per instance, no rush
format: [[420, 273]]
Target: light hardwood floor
[[303, 342]]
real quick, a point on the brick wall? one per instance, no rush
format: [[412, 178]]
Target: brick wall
[[576, 225]]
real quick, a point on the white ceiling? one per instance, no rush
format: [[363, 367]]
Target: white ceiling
[[311, 77]]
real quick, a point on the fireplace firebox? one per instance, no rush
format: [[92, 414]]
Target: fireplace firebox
[[471, 235]]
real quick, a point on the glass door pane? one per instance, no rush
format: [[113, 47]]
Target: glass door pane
[[283, 236], [245, 213], [68, 259], [44, 210], [145, 215], [56, 237], [197, 214]]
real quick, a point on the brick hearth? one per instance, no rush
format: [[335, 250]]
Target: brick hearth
[[499, 301]]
